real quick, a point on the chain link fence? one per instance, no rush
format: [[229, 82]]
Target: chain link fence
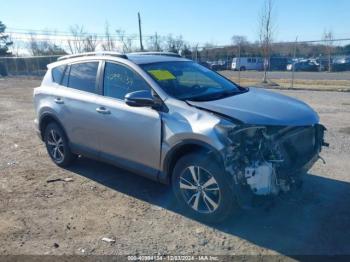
[[25, 66], [321, 64], [317, 64]]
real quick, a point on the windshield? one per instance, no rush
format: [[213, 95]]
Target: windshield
[[187, 80]]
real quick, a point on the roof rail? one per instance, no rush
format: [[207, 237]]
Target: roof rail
[[101, 53], [156, 53]]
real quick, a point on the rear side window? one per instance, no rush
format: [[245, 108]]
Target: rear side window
[[57, 73], [83, 76]]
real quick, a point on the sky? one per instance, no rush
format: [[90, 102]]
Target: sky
[[198, 21]]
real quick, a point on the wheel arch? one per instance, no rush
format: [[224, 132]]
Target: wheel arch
[[47, 118], [183, 148]]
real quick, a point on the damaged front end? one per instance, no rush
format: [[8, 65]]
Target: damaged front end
[[266, 160]]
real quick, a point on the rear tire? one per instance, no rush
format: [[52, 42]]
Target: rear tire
[[201, 188], [57, 145]]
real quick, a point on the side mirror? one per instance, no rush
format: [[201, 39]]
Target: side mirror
[[141, 98]]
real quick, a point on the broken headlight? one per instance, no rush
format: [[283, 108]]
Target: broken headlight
[[224, 130]]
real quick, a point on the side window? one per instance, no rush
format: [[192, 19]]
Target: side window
[[253, 60], [120, 80], [249, 60], [83, 76], [57, 73]]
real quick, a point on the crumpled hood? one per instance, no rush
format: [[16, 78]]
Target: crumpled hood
[[261, 107]]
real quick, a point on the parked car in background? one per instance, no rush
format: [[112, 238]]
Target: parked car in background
[[278, 63], [219, 65], [247, 63], [303, 65], [323, 63], [341, 64], [205, 64]]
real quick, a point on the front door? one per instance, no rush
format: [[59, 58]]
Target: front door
[[130, 136]]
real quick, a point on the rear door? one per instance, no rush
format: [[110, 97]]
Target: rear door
[[131, 136], [78, 101]]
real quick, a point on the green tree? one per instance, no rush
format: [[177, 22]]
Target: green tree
[[4, 41]]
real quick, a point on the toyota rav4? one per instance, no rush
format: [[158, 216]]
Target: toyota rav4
[[174, 121]]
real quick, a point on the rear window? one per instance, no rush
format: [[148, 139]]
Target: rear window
[[83, 76], [57, 73]]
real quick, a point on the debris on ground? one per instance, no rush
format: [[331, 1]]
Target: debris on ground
[[156, 208], [12, 163], [68, 179], [108, 240], [203, 242], [199, 230], [55, 245]]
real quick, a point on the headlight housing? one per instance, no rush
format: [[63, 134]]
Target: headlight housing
[[224, 129]]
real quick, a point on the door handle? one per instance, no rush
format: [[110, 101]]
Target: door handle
[[103, 110], [59, 100]]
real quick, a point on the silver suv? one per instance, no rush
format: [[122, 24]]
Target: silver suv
[[177, 122]]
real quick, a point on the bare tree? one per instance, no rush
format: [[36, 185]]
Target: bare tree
[[328, 39], [33, 45], [90, 43], [155, 42], [125, 40], [174, 44], [109, 43], [266, 33], [38, 47], [15, 47], [77, 42], [239, 40], [195, 53]]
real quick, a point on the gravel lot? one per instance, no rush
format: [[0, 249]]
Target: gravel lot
[[37, 217]]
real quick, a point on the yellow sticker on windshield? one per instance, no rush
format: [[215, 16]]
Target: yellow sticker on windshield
[[162, 75]]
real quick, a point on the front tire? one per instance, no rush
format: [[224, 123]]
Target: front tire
[[57, 145], [201, 188]]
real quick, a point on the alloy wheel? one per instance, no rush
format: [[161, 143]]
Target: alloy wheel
[[200, 189], [55, 145]]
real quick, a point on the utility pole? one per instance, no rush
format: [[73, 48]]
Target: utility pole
[[157, 46], [239, 62], [293, 63], [140, 31]]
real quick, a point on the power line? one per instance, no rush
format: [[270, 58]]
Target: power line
[[62, 33], [62, 39]]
